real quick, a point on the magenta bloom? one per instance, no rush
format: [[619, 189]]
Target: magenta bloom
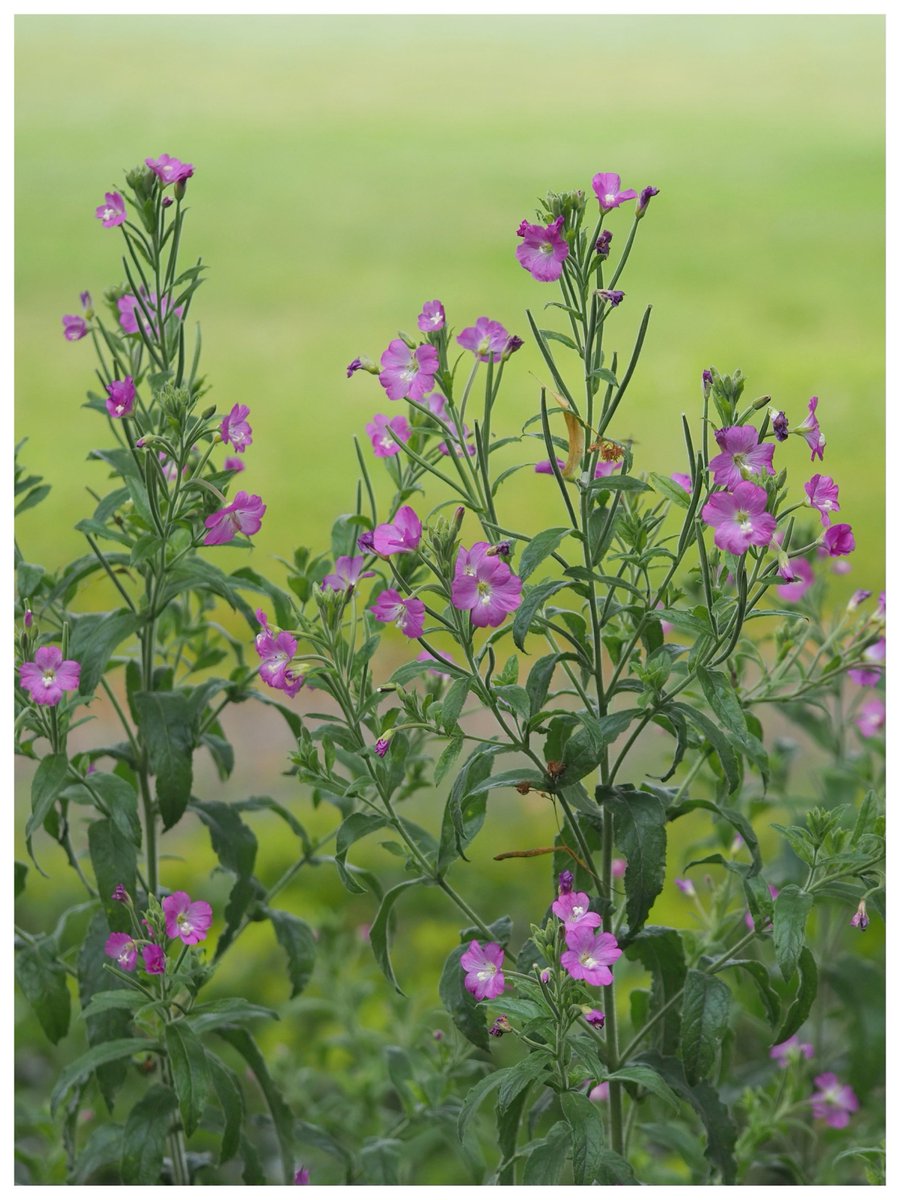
[[484, 585], [49, 675], [130, 312], [301, 1176], [644, 199], [822, 495], [234, 429], [682, 481], [543, 251], [233, 464], [545, 467], [619, 867], [612, 296], [595, 1017], [870, 718], [742, 455], [120, 401], [600, 1092], [408, 374], [608, 190], [834, 1101], [382, 746], [810, 430], [483, 967], [566, 882], [74, 328], [347, 573], [573, 909], [186, 919], [276, 653], [112, 213], [457, 448], [868, 676], [386, 434], [603, 469], [839, 540], [590, 955], [243, 515], [791, 1050], [486, 339], [860, 919], [432, 316], [154, 960], [407, 614], [740, 518], [437, 404], [400, 536], [170, 170], [801, 581], [427, 656], [122, 947]]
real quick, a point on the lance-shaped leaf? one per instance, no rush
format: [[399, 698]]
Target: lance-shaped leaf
[[660, 951], [49, 780], [357, 826], [282, 1117], [43, 980], [165, 724], [379, 932], [588, 1141], [639, 821], [791, 911], [232, 840], [532, 600], [114, 859], [190, 1072], [296, 939], [540, 546], [144, 1136], [94, 638], [546, 1161], [227, 1091], [704, 1022], [806, 994], [758, 972]]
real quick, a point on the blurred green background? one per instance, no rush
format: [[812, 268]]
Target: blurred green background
[[348, 169]]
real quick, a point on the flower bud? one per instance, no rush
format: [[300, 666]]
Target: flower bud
[[603, 244], [707, 378], [644, 199], [28, 618], [779, 425], [594, 1017], [858, 597], [500, 1026], [762, 402], [438, 1035], [383, 745], [860, 918], [167, 201], [180, 188], [120, 895], [513, 344], [566, 882], [208, 412], [545, 975]]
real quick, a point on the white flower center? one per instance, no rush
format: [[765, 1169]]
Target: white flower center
[[484, 345], [48, 677], [108, 213], [610, 198], [486, 972], [484, 591], [587, 959], [546, 248], [578, 910]]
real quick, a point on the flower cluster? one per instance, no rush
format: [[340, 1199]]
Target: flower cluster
[[178, 918]]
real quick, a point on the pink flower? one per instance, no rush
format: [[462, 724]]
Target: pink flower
[[590, 955], [802, 580], [740, 518], [742, 455], [382, 746], [595, 1017], [386, 433], [618, 867], [432, 316], [608, 190], [482, 964], [112, 213], [834, 1101], [810, 430], [838, 540], [74, 328], [437, 404], [233, 464], [154, 960], [122, 947], [457, 448], [408, 374], [120, 400], [427, 656], [400, 536], [407, 614], [170, 170], [301, 1176], [683, 481], [347, 573], [869, 676], [543, 251], [485, 586], [234, 429], [276, 654], [685, 886], [49, 675], [870, 718], [822, 495], [603, 469], [600, 1092], [574, 910], [545, 467], [790, 1051], [130, 312], [243, 515], [185, 919], [860, 919], [486, 339]]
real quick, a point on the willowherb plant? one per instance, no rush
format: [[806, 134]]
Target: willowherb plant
[[633, 610]]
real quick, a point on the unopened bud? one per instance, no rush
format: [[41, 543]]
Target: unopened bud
[[28, 618], [500, 1026], [644, 199], [179, 189], [860, 918], [208, 412], [167, 201], [762, 402], [120, 895]]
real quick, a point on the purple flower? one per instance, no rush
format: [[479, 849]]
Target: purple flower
[[545, 467], [457, 448], [186, 919], [644, 199], [839, 540], [427, 656], [566, 881], [608, 190], [513, 343], [233, 464], [276, 653], [822, 495], [603, 469], [860, 919], [869, 676], [154, 960], [405, 373], [354, 366], [484, 585], [685, 886], [74, 328], [366, 542], [118, 893], [112, 213], [780, 426], [347, 573], [870, 718], [595, 1017], [382, 746], [49, 675], [85, 298], [707, 380], [243, 515], [436, 403], [301, 1176], [120, 401], [682, 481], [590, 955], [386, 434], [740, 518], [742, 455], [407, 614], [791, 1051], [802, 579], [483, 967], [234, 429], [619, 867], [170, 170], [400, 536], [600, 1092], [612, 296], [122, 947], [810, 430], [543, 251], [859, 597], [500, 1026], [432, 316], [486, 339], [573, 909], [130, 312], [834, 1101]]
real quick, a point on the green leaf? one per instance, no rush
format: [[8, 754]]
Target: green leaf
[[639, 820], [114, 859], [759, 973], [358, 825], [94, 638], [232, 840], [790, 912], [735, 819], [806, 994], [144, 1136], [475, 1095], [462, 821], [228, 1094], [296, 939], [190, 1073], [617, 483], [725, 703], [49, 780], [527, 611], [660, 951], [546, 1162], [671, 490], [448, 757], [465, 1013], [282, 1116], [229, 1011], [540, 546], [21, 874], [284, 604], [125, 999], [704, 1022], [112, 1024], [613, 1169], [379, 937], [96, 1057], [101, 1150], [588, 1142], [527, 1071], [165, 723], [42, 979], [718, 740], [646, 1077], [120, 799], [452, 704]]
